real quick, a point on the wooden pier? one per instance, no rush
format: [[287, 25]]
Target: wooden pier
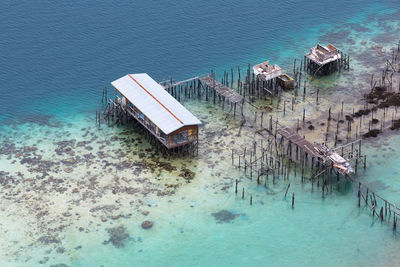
[[294, 138], [222, 90], [173, 83], [282, 150], [258, 161]]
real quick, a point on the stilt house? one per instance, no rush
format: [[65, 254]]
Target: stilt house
[[156, 110], [273, 73], [323, 59], [266, 71]]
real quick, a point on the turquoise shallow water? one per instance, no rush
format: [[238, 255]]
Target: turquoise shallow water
[[85, 207]]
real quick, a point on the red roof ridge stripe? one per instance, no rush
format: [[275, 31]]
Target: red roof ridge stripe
[[155, 99]]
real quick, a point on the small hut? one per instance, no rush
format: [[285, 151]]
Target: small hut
[[266, 71], [285, 81], [323, 59], [272, 74], [156, 110]]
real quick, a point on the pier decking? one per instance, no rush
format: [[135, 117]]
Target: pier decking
[[221, 89], [171, 84], [301, 142]]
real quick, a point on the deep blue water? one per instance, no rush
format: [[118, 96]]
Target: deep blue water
[[57, 55]]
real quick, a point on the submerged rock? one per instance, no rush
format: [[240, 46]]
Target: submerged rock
[[108, 208], [187, 174], [145, 212], [69, 161], [372, 133], [44, 260], [60, 250], [118, 236], [48, 239], [147, 224], [224, 216]]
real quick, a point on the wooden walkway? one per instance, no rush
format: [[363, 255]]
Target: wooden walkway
[[170, 84], [301, 142], [221, 89]]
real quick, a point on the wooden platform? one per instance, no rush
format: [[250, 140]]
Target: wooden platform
[[221, 89], [170, 84], [301, 142]]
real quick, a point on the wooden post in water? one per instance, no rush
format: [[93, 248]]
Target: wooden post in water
[[365, 161], [385, 208], [342, 109], [251, 165], [286, 191], [329, 115], [284, 108], [236, 186], [262, 116], [355, 167], [293, 200]]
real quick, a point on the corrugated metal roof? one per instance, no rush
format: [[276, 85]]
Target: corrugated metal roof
[[155, 102]]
